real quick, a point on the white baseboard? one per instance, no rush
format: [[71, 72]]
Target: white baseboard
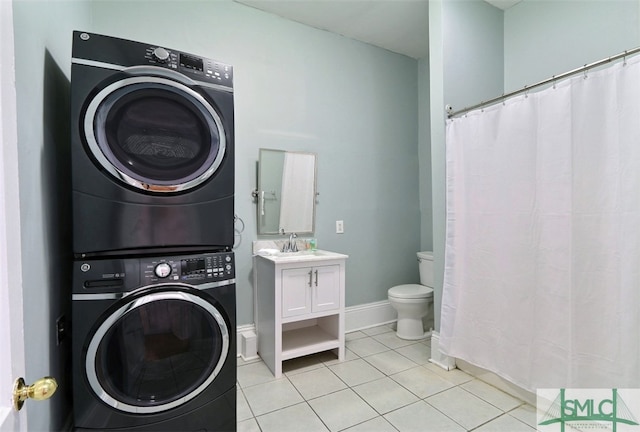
[[437, 357], [369, 315]]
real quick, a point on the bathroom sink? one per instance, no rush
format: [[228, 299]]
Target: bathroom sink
[[305, 255]]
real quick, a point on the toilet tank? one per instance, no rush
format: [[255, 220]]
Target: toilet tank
[[426, 268]]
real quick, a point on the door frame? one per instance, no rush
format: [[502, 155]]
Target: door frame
[[12, 358]]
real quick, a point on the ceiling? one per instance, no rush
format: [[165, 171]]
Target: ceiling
[[396, 25]]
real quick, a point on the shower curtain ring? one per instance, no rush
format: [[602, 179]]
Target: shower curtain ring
[[586, 72], [554, 81], [624, 58]]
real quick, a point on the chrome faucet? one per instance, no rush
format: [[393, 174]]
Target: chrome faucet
[[291, 245]]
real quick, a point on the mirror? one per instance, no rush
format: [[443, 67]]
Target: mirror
[[286, 192]]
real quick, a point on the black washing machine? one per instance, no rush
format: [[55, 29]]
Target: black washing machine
[[154, 343], [152, 148]]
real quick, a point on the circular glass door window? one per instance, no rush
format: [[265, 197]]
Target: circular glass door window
[[157, 351], [155, 134]]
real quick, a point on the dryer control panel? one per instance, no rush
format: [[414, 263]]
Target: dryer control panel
[[192, 268], [214, 71]]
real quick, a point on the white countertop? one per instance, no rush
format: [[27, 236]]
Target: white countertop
[[301, 256]]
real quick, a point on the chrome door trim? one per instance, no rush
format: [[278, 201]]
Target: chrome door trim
[[131, 306], [98, 64], [211, 116], [173, 75]]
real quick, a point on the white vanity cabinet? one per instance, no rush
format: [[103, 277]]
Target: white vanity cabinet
[[299, 305]]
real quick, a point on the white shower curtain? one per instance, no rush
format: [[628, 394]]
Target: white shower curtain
[[542, 258]]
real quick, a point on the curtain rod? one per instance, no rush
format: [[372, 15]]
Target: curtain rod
[[547, 81]]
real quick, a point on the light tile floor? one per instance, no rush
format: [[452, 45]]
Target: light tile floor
[[385, 384]]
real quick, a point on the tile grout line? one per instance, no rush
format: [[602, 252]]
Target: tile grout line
[[372, 337]]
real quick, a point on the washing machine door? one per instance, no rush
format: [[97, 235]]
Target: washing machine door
[[151, 130], [157, 349]]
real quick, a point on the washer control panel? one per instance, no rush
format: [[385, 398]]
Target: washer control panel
[[189, 268], [119, 275]]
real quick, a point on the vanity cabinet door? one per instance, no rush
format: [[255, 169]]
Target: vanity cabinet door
[[296, 291], [326, 288], [310, 289]]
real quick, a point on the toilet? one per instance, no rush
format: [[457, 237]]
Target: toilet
[[412, 301]]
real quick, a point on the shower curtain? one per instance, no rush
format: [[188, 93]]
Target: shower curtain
[[542, 257]]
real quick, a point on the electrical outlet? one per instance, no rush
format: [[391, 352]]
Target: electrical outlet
[[339, 227]]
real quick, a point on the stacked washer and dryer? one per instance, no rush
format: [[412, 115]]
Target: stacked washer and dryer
[[153, 297]]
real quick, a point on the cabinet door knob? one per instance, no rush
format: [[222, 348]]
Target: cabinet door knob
[[316, 277], [310, 277]]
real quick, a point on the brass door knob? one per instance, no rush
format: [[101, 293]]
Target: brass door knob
[[42, 389]]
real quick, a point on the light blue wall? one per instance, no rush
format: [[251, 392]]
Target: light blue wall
[[473, 52], [546, 38], [43, 64], [466, 60], [424, 156], [299, 88]]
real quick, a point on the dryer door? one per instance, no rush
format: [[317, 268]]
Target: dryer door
[[157, 350], [151, 130]]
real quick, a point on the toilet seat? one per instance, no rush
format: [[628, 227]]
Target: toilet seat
[[410, 291]]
